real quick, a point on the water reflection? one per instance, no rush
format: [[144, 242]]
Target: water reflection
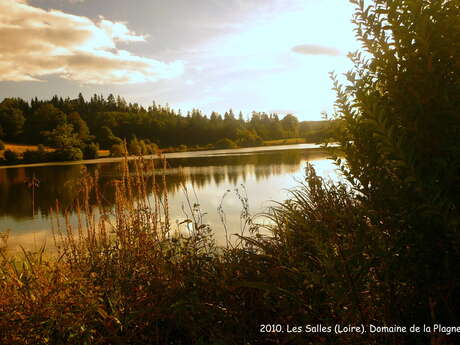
[[265, 175]]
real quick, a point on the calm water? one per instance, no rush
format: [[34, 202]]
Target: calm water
[[211, 178]]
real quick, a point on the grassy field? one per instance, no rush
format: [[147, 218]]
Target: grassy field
[[21, 148]]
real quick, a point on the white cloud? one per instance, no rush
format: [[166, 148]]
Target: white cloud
[[118, 31], [35, 43]]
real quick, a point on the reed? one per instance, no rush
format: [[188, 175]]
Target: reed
[[125, 275]]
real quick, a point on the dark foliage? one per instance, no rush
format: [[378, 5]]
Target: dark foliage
[[36, 156], [90, 151], [67, 154], [10, 156], [399, 115]]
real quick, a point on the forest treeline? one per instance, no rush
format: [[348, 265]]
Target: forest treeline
[[78, 128]]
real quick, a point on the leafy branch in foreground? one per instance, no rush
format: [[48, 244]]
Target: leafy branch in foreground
[[399, 112]]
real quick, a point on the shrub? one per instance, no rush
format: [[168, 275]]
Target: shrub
[[117, 150], [247, 138], [41, 148], [35, 156], [135, 147], [399, 121], [68, 154], [225, 143], [10, 156], [107, 139], [149, 147], [152, 148], [90, 151]]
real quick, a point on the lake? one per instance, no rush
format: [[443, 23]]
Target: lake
[[211, 179]]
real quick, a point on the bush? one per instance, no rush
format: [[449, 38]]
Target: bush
[[35, 156], [68, 154], [41, 148], [247, 138], [90, 151], [117, 150], [10, 156], [225, 143], [135, 147], [107, 139], [399, 124], [152, 148]]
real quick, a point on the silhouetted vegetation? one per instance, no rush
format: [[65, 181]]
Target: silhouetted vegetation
[[400, 123], [10, 156]]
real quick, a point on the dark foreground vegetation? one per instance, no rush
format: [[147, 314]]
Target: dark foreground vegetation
[[381, 249]]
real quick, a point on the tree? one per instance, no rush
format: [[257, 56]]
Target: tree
[[109, 122], [400, 120], [117, 150], [135, 147], [90, 151], [63, 136], [247, 137], [11, 120], [79, 125], [68, 154], [276, 130], [290, 125], [225, 143], [107, 139], [44, 119]]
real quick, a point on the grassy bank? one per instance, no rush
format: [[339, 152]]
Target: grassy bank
[[132, 277], [19, 149]]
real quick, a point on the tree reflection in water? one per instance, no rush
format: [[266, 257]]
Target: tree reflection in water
[[208, 176]]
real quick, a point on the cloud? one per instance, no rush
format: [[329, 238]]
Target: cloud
[[118, 31], [35, 43], [316, 49]]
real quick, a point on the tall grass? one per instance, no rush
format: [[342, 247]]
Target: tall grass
[[127, 276]]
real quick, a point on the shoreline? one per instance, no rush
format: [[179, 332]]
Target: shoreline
[[176, 155]]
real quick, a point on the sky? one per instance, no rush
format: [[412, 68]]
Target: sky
[[213, 55]]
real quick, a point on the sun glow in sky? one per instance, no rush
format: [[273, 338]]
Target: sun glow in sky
[[263, 55]]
